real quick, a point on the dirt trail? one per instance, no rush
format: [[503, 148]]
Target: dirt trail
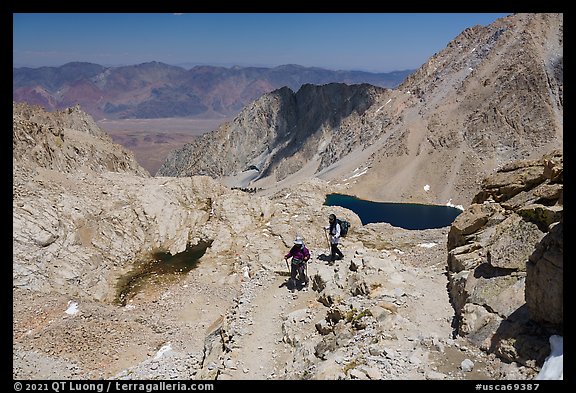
[[261, 351], [164, 331]]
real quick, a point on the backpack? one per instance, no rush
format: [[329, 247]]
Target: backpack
[[344, 226]]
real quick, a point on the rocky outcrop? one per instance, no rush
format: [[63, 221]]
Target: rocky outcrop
[[84, 211], [66, 141], [544, 280], [505, 260]]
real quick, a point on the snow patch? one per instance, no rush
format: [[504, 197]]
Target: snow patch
[[246, 272], [387, 102], [450, 204], [427, 245], [359, 174], [165, 348], [72, 308], [356, 174], [553, 367]]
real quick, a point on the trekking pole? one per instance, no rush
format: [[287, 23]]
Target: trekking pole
[[288, 266], [328, 240]]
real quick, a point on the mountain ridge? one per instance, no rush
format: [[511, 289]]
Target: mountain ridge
[[468, 110], [158, 90]]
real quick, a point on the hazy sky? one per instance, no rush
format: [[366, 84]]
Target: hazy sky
[[378, 42]]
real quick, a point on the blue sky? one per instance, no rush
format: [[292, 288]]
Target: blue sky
[[377, 42]]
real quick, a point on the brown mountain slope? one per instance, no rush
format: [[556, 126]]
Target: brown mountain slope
[[492, 96]]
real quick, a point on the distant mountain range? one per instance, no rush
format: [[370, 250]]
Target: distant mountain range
[[158, 90]]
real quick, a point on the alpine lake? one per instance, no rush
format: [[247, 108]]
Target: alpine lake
[[403, 215]]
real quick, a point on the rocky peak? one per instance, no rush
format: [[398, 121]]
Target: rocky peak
[[277, 133]]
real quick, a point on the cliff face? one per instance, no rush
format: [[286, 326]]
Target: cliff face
[[84, 210], [493, 95], [505, 260]]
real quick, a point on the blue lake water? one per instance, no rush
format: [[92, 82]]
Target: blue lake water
[[403, 215]]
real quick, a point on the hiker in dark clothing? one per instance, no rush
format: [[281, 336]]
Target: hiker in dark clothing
[[300, 256], [334, 231]]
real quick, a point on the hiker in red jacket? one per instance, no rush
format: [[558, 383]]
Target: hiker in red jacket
[[300, 256]]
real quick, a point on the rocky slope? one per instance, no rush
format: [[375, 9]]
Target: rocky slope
[[493, 95], [383, 312], [66, 142]]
